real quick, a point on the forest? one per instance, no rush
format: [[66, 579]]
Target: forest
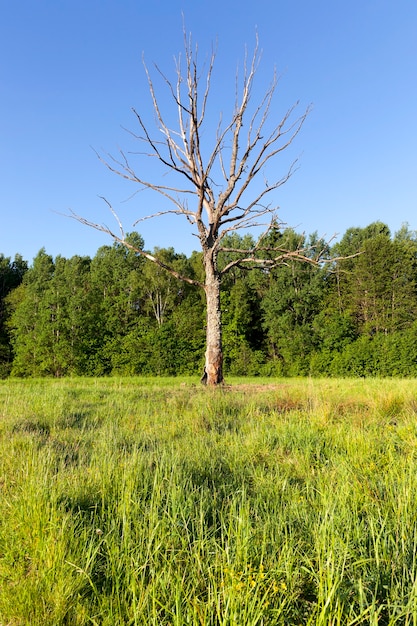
[[118, 314]]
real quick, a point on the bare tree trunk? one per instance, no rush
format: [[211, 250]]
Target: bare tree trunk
[[213, 370]]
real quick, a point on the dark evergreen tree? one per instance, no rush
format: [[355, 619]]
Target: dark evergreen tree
[[290, 305], [243, 337], [377, 287], [11, 275]]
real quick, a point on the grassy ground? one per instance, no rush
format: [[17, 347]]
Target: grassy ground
[[156, 502]]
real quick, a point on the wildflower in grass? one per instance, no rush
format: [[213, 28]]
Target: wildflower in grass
[[279, 586]]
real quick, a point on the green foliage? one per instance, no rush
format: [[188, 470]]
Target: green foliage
[[380, 355], [33, 334], [242, 332], [115, 313], [290, 304], [121, 314], [162, 292]]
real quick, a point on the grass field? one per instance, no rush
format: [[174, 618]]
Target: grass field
[[156, 502]]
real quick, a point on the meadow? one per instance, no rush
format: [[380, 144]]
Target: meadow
[[158, 502]]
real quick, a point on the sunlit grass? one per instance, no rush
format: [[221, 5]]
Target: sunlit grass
[[156, 501]]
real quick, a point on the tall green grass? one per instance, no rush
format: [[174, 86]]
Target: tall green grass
[[156, 502]]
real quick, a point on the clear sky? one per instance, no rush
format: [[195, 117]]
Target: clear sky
[[71, 70]]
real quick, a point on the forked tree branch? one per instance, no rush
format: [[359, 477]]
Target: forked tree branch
[[214, 194], [179, 150]]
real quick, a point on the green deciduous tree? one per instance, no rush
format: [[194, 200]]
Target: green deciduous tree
[[116, 301], [162, 290], [31, 331], [69, 299], [51, 317]]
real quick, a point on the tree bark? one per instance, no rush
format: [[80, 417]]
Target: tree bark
[[213, 370]]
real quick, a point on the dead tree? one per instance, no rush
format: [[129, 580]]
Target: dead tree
[[214, 183]]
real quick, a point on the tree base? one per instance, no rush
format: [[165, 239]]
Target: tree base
[[214, 381]]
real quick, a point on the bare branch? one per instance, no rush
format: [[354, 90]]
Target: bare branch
[[281, 258], [121, 239], [310, 255]]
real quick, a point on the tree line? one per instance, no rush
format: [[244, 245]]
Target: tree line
[[117, 313]]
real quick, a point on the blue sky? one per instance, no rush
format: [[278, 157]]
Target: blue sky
[[71, 70]]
